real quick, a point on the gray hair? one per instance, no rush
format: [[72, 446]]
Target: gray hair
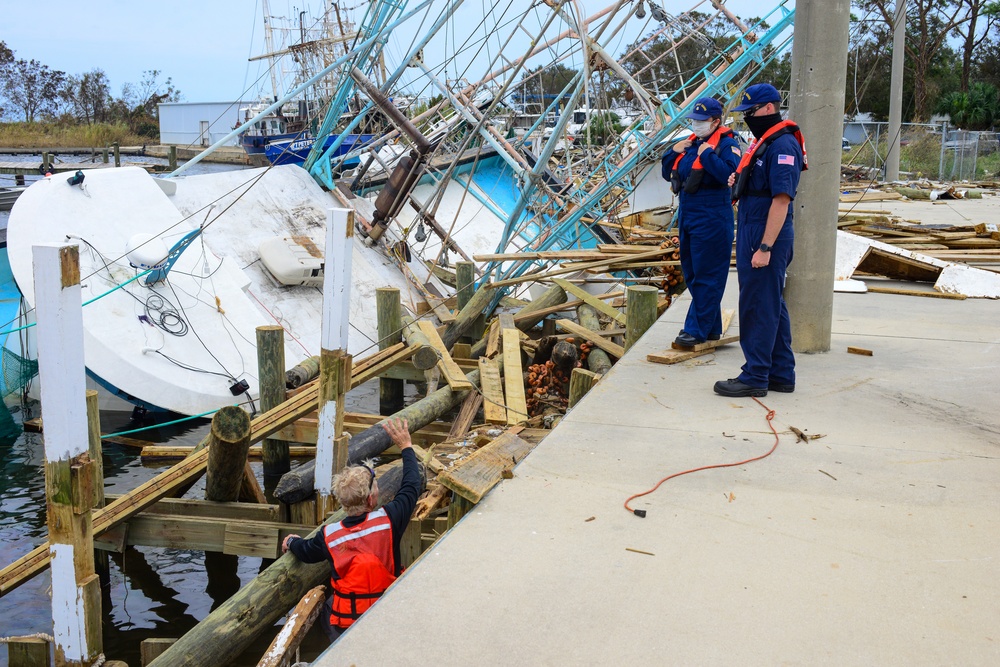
[[352, 486]]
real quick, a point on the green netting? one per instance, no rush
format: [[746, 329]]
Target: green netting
[[17, 372]]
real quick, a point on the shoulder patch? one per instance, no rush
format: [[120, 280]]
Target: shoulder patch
[[786, 159], [736, 149]]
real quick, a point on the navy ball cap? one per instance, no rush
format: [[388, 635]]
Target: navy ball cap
[[759, 93], [705, 108]]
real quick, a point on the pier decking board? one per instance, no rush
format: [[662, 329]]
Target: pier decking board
[[475, 476], [452, 372], [517, 407], [614, 350], [489, 379]]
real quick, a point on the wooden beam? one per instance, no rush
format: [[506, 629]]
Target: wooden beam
[[494, 410], [570, 269], [473, 477], [281, 652], [207, 509], [912, 292], [675, 356], [517, 407], [451, 371], [616, 351], [591, 300], [466, 414], [165, 452]]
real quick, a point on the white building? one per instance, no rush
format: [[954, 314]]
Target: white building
[[197, 123]]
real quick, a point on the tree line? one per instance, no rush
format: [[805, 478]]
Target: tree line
[[951, 64], [31, 91]]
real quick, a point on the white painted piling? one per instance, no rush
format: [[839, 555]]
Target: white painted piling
[[76, 604]]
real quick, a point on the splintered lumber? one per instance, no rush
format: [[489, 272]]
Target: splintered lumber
[[473, 477], [229, 441], [591, 300], [597, 360], [517, 408], [298, 483], [675, 356], [580, 382], [569, 326], [494, 409], [449, 369], [425, 356], [234, 625], [466, 415], [913, 292], [466, 318], [493, 339], [432, 500], [891, 265], [281, 652]]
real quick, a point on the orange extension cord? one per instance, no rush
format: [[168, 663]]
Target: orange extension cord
[[770, 419]]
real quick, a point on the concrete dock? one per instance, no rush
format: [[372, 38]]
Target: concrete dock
[[877, 543]]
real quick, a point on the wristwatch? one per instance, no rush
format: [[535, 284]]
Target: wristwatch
[[764, 247]]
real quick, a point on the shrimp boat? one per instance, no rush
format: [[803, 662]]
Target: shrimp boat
[[179, 271]]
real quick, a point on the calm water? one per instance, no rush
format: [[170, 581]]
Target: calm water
[[152, 592]]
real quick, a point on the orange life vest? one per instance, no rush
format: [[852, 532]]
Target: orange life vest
[[362, 556], [744, 169], [693, 182]]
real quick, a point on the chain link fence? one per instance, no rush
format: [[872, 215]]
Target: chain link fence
[[926, 151]]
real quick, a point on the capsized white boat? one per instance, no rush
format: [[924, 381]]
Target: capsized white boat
[[187, 343]]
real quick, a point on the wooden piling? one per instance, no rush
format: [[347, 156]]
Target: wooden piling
[[96, 451], [104, 155], [334, 362], [458, 508], [28, 652], [18, 179], [467, 316], [580, 382], [172, 157], [271, 378], [426, 357], [118, 155], [153, 648], [46, 161], [465, 281], [597, 360], [390, 332], [227, 454], [69, 469], [640, 312]]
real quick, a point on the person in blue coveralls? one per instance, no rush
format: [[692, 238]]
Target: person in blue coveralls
[[764, 186], [698, 169]]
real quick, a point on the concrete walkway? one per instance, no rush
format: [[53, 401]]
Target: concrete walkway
[[876, 544]]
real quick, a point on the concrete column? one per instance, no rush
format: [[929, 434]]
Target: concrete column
[[896, 92], [819, 74]]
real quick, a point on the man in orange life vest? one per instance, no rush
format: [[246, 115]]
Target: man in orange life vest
[[698, 169], [363, 549], [764, 185]]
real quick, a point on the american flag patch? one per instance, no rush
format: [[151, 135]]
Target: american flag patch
[[736, 150], [786, 159]]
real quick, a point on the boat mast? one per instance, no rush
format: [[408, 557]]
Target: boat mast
[[269, 44]]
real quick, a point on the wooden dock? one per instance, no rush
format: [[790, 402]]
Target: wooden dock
[[32, 169]]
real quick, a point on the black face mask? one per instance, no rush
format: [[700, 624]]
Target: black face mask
[[761, 124]]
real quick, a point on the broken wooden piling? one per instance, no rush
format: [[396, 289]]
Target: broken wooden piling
[[229, 441], [390, 332], [271, 378], [640, 312]]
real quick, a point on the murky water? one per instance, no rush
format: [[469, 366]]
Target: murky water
[[152, 592]]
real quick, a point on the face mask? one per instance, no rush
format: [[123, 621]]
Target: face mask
[[761, 124], [702, 128]]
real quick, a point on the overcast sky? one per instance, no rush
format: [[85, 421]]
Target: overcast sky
[[204, 45]]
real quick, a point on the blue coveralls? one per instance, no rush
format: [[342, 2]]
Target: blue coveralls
[[765, 330], [705, 224]]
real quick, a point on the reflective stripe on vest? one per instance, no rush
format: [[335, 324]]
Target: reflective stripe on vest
[[363, 559], [693, 182], [746, 166]]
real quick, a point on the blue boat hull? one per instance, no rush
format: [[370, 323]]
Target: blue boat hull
[[254, 144], [296, 152]]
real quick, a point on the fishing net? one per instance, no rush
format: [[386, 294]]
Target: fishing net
[[17, 372]]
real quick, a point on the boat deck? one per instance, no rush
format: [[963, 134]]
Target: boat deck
[[876, 543]]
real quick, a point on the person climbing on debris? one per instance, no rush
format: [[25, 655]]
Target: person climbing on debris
[[363, 549], [698, 169], [764, 185]]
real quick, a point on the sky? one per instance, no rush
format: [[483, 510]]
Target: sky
[[203, 45]]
